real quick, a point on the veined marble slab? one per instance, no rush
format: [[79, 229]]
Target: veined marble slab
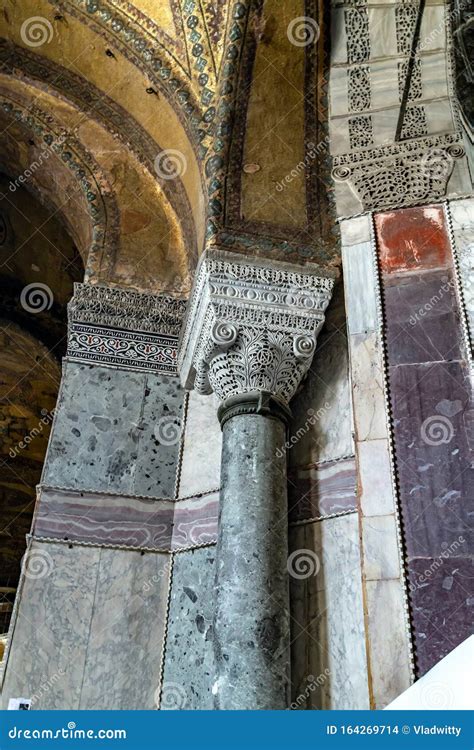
[[115, 430], [328, 616], [189, 658], [323, 489], [130, 521], [360, 288], [201, 462], [462, 213], [51, 634], [367, 376], [122, 669]]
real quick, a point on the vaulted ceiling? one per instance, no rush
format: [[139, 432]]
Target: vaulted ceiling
[[158, 127]]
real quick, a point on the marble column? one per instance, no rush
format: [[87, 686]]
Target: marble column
[[250, 336]]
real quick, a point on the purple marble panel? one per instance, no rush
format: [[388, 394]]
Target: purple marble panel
[[442, 604], [104, 519], [195, 521], [320, 490], [436, 475], [422, 317]]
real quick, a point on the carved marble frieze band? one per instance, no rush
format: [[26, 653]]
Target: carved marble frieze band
[[124, 328], [251, 326], [400, 174]]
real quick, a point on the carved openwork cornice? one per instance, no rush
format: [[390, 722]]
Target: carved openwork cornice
[[124, 328], [251, 325], [400, 174]]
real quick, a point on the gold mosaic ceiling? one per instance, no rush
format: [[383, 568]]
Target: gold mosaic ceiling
[[161, 125]]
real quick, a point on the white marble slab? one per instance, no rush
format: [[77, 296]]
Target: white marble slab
[[367, 387], [380, 548], [387, 639], [375, 481], [328, 605], [359, 288], [201, 462], [49, 645]]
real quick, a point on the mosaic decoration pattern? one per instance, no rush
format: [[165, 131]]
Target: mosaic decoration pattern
[[432, 402], [110, 346], [52, 76], [97, 192]]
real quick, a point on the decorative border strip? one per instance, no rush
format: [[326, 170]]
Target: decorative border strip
[[123, 547], [316, 519], [131, 350]]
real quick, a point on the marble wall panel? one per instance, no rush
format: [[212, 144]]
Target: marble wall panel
[[443, 608], [104, 519], [375, 478], [327, 616], [189, 657], [131, 521], [323, 489], [122, 669], [195, 521], [432, 449], [367, 377], [115, 430], [201, 463], [359, 278], [51, 632], [422, 317], [387, 641], [159, 437], [321, 428], [380, 549], [412, 239]]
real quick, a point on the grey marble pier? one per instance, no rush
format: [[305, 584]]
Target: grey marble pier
[[251, 628]]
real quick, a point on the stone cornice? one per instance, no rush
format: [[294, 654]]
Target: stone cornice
[[124, 328], [126, 309], [251, 325]]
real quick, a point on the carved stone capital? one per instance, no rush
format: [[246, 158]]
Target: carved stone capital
[[251, 325]]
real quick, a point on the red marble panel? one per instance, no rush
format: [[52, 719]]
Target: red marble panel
[[316, 491], [412, 239]]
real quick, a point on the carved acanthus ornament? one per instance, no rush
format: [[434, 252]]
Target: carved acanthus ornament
[[251, 325]]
